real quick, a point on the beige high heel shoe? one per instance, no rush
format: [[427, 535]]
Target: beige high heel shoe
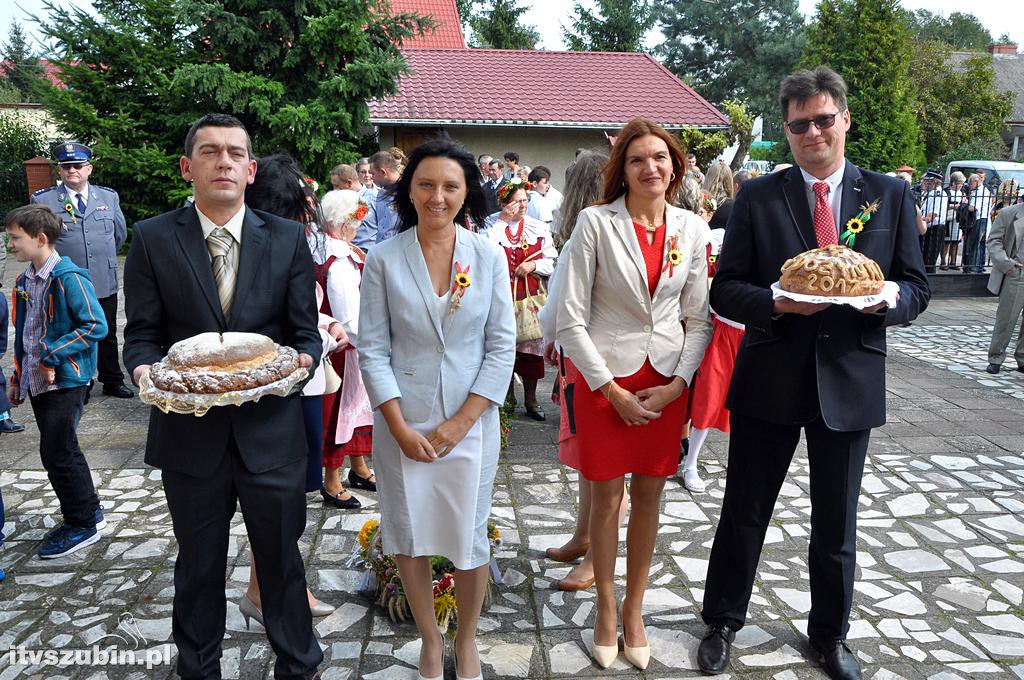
[[640, 656], [605, 655]]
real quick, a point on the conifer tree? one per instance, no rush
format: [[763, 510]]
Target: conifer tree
[[19, 64], [615, 26], [500, 27], [868, 43]]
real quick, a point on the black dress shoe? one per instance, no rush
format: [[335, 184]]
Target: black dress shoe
[[535, 413], [713, 653], [992, 368], [839, 661], [350, 503], [1020, 369], [120, 391], [10, 427], [357, 482]]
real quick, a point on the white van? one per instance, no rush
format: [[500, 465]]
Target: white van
[[995, 171]]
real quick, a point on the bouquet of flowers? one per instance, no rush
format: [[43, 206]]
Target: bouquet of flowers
[[382, 581]]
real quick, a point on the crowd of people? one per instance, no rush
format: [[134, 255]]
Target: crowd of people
[[415, 289]]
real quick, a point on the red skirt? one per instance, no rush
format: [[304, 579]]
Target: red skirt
[[713, 377], [608, 448], [568, 442]]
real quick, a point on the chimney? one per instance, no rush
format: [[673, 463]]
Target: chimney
[[1003, 48]]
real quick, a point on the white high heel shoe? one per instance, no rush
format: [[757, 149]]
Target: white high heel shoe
[[638, 656], [444, 649], [455, 658]]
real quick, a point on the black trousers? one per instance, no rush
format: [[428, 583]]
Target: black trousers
[[274, 509], [109, 365], [759, 458], [931, 246], [57, 414]]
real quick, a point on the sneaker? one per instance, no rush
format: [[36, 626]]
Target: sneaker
[[66, 540], [101, 523]]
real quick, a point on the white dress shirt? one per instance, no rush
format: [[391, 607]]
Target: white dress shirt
[[234, 227], [835, 192]]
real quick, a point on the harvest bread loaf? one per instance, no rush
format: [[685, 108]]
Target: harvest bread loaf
[[213, 363], [832, 270]]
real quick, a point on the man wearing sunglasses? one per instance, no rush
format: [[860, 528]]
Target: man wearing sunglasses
[[94, 230], [805, 368]]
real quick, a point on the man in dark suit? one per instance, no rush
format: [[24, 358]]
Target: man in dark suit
[[218, 266], [801, 366], [495, 180]]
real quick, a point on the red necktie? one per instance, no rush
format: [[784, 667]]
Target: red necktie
[[824, 220]]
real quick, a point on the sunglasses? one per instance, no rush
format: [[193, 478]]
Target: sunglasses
[[823, 122], [73, 166]]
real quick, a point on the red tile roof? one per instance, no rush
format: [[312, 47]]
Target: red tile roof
[[50, 69], [447, 33], [540, 88]]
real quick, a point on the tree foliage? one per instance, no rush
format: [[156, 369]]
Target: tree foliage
[[19, 141], [19, 64], [955, 104], [741, 130], [705, 145], [991, 147], [499, 26], [959, 30], [868, 43], [465, 9], [615, 26], [298, 73], [740, 49]]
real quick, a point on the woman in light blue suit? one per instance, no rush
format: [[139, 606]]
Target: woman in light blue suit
[[436, 348]]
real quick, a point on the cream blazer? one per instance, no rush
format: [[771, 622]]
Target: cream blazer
[[607, 322]]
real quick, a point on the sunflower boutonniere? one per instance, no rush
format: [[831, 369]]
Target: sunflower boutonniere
[[70, 209], [856, 224], [459, 286], [674, 257], [23, 294]]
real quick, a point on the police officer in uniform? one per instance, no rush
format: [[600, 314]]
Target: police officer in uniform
[[94, 229]]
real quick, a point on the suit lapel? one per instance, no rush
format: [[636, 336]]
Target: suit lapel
[[464, 256], [627, 234], [418, 270], [796, 200], [90, 207], [853, 198], [250, 257], [673, 228], [193, 246]]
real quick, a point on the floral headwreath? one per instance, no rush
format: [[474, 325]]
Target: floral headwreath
[[360, 212], [513, 185], [709, 204]]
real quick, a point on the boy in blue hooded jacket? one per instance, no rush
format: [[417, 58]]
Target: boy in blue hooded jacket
[[57, 324]]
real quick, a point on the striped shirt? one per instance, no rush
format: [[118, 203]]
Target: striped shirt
[[32, 381]]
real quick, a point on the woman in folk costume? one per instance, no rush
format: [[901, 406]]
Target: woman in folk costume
[[635, 267], [708, 410], [348, 418], [531, 255]]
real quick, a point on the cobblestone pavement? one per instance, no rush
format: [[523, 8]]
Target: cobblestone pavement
[[940, 578]]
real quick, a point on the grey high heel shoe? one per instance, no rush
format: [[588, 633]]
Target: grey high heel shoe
[[249, 610]]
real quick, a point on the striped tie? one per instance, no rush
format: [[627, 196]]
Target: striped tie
[[219, 243]]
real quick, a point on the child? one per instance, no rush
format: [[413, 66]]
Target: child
[[57, 323]]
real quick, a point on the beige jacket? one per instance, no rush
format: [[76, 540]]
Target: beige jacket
[[607, 322], [1004, 244]]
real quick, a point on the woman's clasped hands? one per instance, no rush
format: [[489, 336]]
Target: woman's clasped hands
[[437, 444]]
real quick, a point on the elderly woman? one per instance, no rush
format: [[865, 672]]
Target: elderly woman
[[436, 348], [957, 200], [635, 267], [347, 416], [531, 255]]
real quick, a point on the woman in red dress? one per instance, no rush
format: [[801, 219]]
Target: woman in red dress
[[635, 266], [531, 255]]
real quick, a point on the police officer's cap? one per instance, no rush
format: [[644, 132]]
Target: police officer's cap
[[72, 153], [933, 174]]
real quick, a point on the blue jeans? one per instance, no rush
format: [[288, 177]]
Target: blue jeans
[[57, 415]]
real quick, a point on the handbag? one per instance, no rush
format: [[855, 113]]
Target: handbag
[[527, 323], [332, 381]]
